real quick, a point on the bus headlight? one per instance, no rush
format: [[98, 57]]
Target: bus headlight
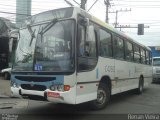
[[14, 84], [60, 87], [53, 88], [57, 87]]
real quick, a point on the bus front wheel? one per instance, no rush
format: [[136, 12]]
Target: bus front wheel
[[103, 97]]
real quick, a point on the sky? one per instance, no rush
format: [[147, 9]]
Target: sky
[[142, 11]]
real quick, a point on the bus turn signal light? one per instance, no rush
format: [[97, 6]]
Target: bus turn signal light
[[66, 87]]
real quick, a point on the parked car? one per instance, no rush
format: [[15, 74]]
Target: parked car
[[156, 69], [6, 73]]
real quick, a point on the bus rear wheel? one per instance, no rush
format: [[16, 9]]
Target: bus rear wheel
[[103, 97], [140, 86]]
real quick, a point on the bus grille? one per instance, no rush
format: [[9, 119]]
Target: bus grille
[[35, 79], [33, 87]]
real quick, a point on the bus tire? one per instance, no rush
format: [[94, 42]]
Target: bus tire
[[103, 97], [139, 90]]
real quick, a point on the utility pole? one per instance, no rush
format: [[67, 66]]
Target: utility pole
[[117, 11], [107, 3], [83, 4]]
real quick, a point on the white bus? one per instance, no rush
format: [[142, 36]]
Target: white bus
[[68, 56]]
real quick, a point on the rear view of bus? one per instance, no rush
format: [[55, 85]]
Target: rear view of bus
[[156, 69]]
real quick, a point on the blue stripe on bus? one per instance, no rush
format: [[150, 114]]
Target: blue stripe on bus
[[97, 73]]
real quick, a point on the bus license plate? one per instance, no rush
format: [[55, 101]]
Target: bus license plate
[[53, 94]]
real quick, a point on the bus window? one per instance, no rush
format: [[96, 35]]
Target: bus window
[[105, 48], [87, 48], [147, 58], [129, 51], [90, 45], [81, 36], [118, 48], [136, 54], [150, 58], [143, 52]]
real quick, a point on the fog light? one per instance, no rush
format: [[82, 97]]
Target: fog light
[[53, 88], [60, 87]]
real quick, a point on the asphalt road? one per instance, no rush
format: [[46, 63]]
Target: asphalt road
[[120, 106]]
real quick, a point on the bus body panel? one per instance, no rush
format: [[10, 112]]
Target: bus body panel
[[87, 86]]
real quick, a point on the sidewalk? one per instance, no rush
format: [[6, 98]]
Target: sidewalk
[[4, 88]]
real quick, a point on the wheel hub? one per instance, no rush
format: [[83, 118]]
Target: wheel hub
[[101, 96]]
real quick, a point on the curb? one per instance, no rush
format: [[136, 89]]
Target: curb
[[4, 96]]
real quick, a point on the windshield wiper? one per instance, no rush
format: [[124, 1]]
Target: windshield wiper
[[48, 26], [32, 33]]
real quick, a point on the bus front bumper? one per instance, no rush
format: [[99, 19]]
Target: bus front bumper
[[52, 96]]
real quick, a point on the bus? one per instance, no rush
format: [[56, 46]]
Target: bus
[[155, 69], [69, 56]]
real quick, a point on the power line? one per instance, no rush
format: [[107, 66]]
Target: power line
[[76, 2], [14, 13], [69, 3], [92, 5]]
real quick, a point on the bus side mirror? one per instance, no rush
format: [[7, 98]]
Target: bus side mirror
[[90, 33]]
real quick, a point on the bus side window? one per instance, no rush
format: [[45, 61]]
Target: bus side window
[[129, 51], [150, 58], [105, 45], [147, 58], [118, 48], [137, 57], [143, 56]]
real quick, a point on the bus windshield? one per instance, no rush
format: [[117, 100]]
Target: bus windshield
[[156, 62], [51, 48]]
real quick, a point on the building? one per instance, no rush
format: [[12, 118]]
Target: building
[[23, 10]]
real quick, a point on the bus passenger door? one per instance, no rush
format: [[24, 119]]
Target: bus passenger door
[[86, 65]]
